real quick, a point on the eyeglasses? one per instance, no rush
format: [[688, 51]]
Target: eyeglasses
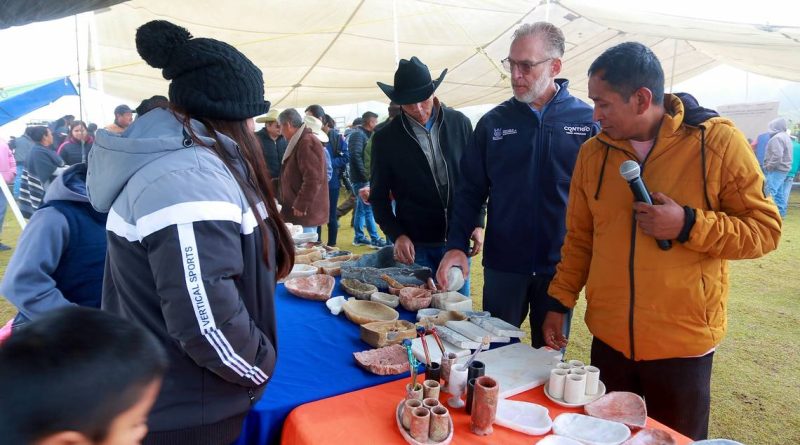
[[525, 67]]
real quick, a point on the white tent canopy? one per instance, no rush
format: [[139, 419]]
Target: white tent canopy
[[314, 51]]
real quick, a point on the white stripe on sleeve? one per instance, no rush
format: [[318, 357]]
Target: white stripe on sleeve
[[202, 311]]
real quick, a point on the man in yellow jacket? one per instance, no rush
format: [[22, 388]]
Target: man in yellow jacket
[[658, 315]]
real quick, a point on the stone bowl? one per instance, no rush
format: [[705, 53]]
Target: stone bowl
[[309, 257], [452, 301], [441, 318], [315, 287], [307, 237], [361, 312], [415, 298], [383, 333], [383, 298], [332, 268], [356, 288], [301, 270], [389, 360]]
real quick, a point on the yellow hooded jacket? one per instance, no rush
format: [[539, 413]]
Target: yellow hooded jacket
[[647, 303]]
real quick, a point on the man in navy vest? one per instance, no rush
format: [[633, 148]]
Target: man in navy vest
[[60, 255]]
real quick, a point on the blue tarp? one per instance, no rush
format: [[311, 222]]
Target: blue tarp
[[17, 102]]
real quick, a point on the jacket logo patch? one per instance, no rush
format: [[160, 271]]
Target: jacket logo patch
[[582, 130], [500, 133]]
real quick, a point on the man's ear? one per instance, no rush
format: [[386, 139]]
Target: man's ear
[[65, 438], [644, 99], [555, 67]]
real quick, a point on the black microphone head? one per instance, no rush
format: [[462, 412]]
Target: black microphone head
[[629, 170]]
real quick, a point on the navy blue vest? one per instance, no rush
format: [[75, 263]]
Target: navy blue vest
[[79, 275]]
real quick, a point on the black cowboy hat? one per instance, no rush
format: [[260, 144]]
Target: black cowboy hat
[[412, 82]]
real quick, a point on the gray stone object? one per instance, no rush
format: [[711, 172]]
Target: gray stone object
[[370, 267]]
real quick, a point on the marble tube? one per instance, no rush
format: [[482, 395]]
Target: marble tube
[[575, 364], [430, 389], [592, 379], [409, 406], [575, 388], [448, 363], [440, 423], [415, 393], [484, 406], [420, 424], [558, 378]]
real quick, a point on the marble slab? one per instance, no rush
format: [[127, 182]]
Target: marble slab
[[475, 332], [455, 338], [518, 367], [498, 327], [433, 349]]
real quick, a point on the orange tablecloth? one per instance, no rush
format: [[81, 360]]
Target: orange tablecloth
[[367, 417]]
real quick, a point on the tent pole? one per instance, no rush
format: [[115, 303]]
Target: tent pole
[[674, 58], [546, 10], [396, 44], [80, 85], [13, 204]]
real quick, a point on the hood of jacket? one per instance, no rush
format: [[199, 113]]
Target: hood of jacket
[[115, 158], [777, 125], [69, 186]]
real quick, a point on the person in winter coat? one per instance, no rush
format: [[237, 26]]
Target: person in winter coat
[[76, 148], [340, 158], [778, 162], [42, 165], [195, 241], [304, 183], [657, 316], [8, 169], [60, 254], [520, 159]]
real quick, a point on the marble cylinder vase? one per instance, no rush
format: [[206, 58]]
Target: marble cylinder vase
[[484, 406]]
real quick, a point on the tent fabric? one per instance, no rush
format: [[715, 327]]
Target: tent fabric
[[19, 101], [314, 51], [22, 12]]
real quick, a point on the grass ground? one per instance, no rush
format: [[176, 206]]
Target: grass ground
[[756, 377]]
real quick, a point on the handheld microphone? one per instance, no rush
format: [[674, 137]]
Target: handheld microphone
[[631, 173]]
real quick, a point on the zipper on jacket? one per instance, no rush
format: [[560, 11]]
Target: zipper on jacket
[[631, 255], [445, 204], [631, 281]]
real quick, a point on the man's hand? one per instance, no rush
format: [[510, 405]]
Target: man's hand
[[404, 250], [662, 220], [296, 212], [452, 258], [553, 330], [477, 241], [363, 193]]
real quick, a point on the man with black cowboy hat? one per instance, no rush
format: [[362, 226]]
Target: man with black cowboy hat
[[416, 160]]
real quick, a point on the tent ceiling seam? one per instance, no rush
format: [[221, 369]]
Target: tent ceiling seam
[[336, 38]]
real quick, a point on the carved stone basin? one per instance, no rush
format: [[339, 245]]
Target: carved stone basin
[[441, 318], [332, 268], [619, 406], [415, 298], [361, 311], [389, 360], [388, 299], [382, 333], [356, 288], [315, 287]]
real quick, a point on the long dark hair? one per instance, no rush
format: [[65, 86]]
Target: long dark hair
[[256, 181]]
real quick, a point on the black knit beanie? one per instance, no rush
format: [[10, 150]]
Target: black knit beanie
[[209, 78]]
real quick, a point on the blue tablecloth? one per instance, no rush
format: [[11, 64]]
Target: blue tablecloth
[[315, 361]]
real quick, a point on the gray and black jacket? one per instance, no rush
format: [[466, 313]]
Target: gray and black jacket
[[184, 261]]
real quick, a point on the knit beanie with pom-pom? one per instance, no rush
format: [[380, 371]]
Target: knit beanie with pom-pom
[[209, 78]]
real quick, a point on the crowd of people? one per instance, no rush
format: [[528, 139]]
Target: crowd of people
[[174, 223]]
